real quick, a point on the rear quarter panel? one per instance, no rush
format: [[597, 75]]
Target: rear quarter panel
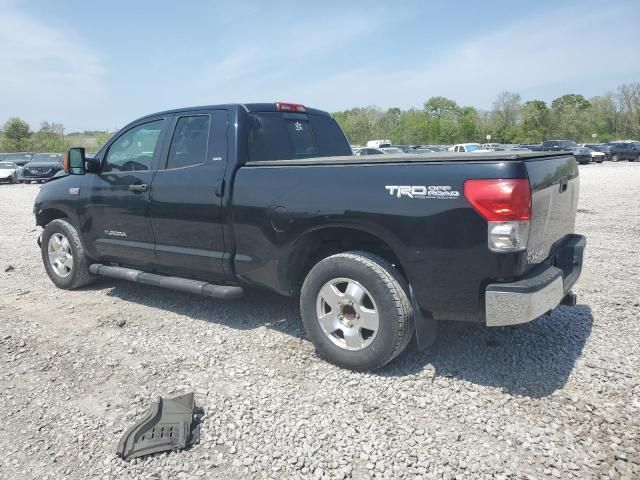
[[441, 242]]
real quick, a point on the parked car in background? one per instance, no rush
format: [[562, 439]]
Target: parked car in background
[[8, 172], [494, 147], [369, 151], [19, 158], [583, 155], [600, 147], [419, 150], [468, 148], [393, 150], [42, 167], [378, 143], [596, 156], [624, 150], [404, 148], [534, 147]]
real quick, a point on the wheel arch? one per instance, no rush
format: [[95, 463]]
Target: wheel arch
[[321, 242]]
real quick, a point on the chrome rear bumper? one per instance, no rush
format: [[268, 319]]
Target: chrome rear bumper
[[525, 300]]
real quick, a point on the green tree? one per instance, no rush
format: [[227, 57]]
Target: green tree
[[570, 102], [16, 135], [536, 121], [438, 107], [411, 128], [49, 138], [468, 124], [506, 116], [571, 116]]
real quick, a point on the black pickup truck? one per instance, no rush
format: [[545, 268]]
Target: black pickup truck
[[213, 199]]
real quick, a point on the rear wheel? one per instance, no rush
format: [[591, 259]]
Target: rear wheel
[[356, 310], [615, 158], [63, 255]]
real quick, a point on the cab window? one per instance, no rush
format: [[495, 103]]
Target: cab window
[[189, 143], [134, 149]]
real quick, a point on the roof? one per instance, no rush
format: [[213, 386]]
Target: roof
[[247, 107]]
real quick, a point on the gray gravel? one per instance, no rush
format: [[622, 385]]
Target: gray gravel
[[558, 398]]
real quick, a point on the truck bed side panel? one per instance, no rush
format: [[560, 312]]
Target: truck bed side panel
[[441, 241]]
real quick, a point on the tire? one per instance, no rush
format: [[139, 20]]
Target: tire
[[59, 237], [615, 157], [379, 292]]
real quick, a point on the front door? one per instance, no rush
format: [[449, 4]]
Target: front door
[[119, 206], [186, 203]]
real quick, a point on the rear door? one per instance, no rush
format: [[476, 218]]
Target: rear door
[[555, 187], [118, 210], [186, 195]]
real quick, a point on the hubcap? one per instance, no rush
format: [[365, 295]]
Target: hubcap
[[347, 314], [60, 255]]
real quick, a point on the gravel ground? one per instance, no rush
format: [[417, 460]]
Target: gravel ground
[[557, 398]]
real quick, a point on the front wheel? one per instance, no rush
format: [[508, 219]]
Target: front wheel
[[356, 310], [63, 255], [615, 158]]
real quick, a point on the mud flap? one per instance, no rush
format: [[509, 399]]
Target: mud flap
[[170, 424], [426, 326]]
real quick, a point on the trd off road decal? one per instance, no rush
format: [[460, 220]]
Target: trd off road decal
[[439, 192]]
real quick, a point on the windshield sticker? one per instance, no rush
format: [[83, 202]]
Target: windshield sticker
[[298, 127]]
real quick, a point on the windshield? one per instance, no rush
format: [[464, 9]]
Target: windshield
[[7, 166], [18, 157], [473, 147], [46, 157]]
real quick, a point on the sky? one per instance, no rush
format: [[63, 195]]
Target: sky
[[99, 65]]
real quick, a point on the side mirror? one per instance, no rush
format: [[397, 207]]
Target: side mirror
[[74, 161]]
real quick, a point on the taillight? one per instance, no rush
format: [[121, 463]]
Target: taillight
[[506, 205], [290, 107]]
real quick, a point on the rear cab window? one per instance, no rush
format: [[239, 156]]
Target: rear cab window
[[287, 136]]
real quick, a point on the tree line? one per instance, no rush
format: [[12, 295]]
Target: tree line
[[615, 115], [441, 120], [17, 136]]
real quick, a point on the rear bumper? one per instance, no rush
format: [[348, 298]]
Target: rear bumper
[[526, 299]]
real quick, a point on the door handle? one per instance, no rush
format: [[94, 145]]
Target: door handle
[[563, 184], [139, 187]]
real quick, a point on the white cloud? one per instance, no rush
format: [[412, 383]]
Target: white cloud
[[567, 48], [250, 71], [46, 74]]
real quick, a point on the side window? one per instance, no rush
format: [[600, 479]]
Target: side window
[[189, 143], [361, 152], [133, 150]]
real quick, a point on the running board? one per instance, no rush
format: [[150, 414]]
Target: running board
[[174, 283]]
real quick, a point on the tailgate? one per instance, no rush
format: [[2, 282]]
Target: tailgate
[[555, 186]]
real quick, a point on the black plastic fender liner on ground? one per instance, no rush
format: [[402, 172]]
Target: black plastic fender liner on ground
[[170, 424]]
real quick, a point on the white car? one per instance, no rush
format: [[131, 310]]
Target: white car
[[8, 172], [597, 157], [468, 147]]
